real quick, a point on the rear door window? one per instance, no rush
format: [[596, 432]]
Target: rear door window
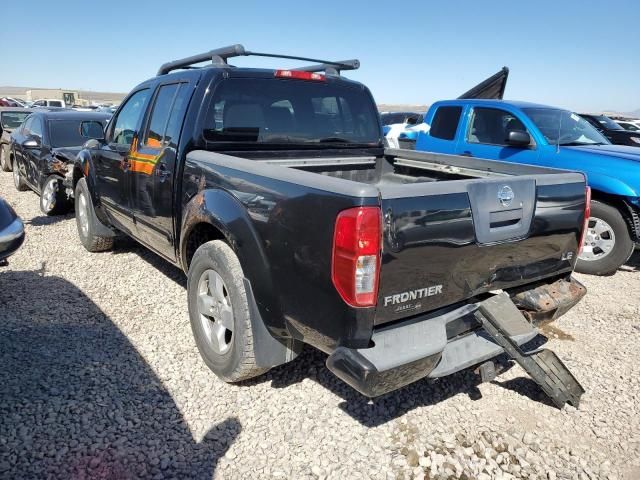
[[445, 122], [166, 117]]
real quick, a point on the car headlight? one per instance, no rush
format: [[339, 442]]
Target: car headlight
[[635, 139]]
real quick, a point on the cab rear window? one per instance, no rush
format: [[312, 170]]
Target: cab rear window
[[282, 111]]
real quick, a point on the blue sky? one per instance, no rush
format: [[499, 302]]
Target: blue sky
[[578, 54]]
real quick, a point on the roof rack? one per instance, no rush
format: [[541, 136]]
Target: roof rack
[[219, 57]]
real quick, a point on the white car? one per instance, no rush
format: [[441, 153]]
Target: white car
[[631, 125], [49, 102]]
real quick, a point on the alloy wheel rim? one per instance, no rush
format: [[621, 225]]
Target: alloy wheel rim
[[48, 195], [215, 311], [83, 217], [599, 240], [16, 174]]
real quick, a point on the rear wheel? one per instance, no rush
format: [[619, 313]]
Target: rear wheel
[[84, 221], [18, 181], [219, 312], [5, 165], [54, 199], [607, 243]]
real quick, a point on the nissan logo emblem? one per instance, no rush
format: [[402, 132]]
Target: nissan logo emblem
[[505, 195]]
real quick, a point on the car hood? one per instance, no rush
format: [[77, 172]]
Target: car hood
[[67, 154], [618, 151]]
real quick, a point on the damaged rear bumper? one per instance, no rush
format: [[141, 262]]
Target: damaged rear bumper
[[424, 347]]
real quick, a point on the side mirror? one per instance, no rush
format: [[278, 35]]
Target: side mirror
[[92, 129], [32, 142], [518, 138]]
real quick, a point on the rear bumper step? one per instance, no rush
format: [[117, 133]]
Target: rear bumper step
[[404, 354]]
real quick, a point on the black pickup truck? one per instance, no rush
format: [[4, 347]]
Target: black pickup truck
[[273, 191]]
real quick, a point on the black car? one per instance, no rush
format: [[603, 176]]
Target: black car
[[272, 190], [391, 118], [10, 119], [42, 148], [614, 132], [11, 232]]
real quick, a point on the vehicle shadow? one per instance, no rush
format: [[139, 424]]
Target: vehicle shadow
[[78, 401], [634, 262], [42, 220], [128, 245], [378, 411]]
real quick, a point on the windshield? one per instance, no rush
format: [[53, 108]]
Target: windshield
[[252, 111], [564, 128], [66, 133], [12, 120], [607, 123]]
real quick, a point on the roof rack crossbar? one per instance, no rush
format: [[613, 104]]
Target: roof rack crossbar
[[219, 57]]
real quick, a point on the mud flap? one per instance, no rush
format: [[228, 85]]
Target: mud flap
[[501, 319]]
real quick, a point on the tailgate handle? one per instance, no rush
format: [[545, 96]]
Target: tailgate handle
[[505, 218]]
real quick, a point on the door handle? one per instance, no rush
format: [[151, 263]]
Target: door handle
[[162, 172]]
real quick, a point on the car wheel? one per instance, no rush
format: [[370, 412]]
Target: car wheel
[[54, 199], [85, 216], [18, 181], [607, 243], [4, 158], [219, 312]]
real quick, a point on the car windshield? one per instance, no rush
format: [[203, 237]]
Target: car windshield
[[272, 112], [66, 133], [607, 123], [562, 127], [12, 120]]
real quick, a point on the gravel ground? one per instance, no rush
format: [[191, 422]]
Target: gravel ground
[[101, 378]]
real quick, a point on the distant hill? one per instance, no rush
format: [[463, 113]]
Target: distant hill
[[635, 113]]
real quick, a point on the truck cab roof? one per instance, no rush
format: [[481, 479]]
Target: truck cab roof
[[494, 103]]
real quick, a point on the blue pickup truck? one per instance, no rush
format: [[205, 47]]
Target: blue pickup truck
[[535, 134]]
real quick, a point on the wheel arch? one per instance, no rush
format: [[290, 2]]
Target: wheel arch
[[216, 215], [628, 212]]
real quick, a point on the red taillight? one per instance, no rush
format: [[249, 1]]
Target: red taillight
[[300, 75], [587, 214], [356, 255]]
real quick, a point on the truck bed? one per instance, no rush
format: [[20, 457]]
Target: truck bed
[[447, 238]]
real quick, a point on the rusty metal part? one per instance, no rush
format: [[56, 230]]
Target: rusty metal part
[[548, 302]]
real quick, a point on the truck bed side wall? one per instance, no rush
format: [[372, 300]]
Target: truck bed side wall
[[282, 232]]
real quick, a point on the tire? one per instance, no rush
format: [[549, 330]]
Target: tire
[[18, 181], [85, 216], [5, 165], [227, 352], [608, 243], [53, 198]]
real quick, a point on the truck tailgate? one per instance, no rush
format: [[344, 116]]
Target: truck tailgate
[[445, 242]]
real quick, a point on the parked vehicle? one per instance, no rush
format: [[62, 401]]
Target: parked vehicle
[[540, 135], [11, 232], [18, 102], [8, 102], [628, 125], [10, 119], [490, 88], [272, 190], [392, 118], [49, 103], [42, 149], [614, 132]]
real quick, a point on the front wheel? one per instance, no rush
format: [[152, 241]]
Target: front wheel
[[54, 199], [18, 181], [5, 165], [85, 216], [607, 242], [219, 313]]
